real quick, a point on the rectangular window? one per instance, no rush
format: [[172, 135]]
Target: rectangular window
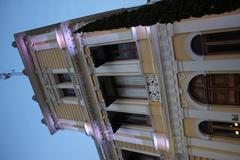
[[113, 52], [223, 129], [63, 77], [130, 155], [222, 42], [68, 92], [118, 119], [122, 87]]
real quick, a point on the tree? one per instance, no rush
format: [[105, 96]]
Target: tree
[[164, 11]]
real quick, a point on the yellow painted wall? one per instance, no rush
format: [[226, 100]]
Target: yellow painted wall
[[146, 56], [51, 58], [69, 112], [179, 47], [189, 129], [157, 116]]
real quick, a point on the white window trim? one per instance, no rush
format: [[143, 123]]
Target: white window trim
[[122, 67], [209, 65], [61, 70], [71, 100], [130, 135], [211, 23], [130, 106], [109, 38], [209, 115], [65, 85]]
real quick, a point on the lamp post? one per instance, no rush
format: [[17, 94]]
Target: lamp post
[[8, 74]]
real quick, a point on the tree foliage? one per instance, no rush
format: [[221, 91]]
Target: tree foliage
[[164, 11]]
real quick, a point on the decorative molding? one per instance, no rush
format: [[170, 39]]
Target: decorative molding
[[109, 38], [167, 73], [94, 107], [160, 141], [210, 115], [209, 23], [67, 36], [123, 67], [209, 65], [153, 88], [126, 106]]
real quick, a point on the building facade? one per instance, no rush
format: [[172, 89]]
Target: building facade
[[161, 92]]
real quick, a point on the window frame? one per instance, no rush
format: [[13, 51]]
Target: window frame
[[206, 43], [210, 89], [212, 129]]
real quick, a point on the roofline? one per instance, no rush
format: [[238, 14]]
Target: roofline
[[35, 82]]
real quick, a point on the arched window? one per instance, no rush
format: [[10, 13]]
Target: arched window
[[216, 43], [197, 45], [214, 128], [222, 89]]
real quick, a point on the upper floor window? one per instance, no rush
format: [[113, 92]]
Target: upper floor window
[[64, 90], [222, 89], [113, 52], [217, 43], [68, 92], [214, 128], [130, 155], [63, 77]]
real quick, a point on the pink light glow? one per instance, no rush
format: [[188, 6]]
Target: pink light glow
[[60, 39], [160, 141], [88, 129]]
